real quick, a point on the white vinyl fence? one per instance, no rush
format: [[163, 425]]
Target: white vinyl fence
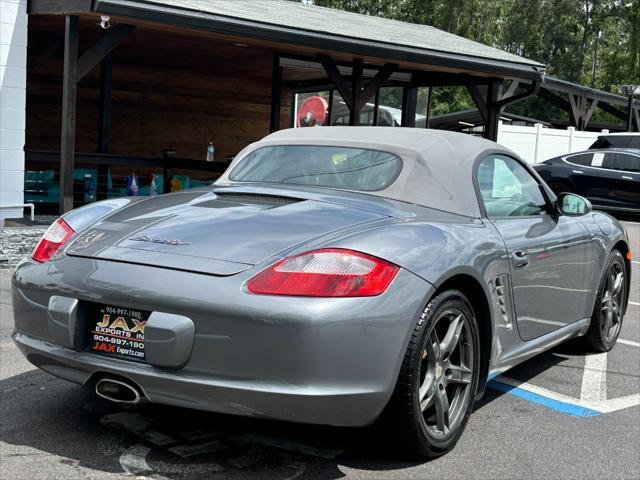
[[537, 144]]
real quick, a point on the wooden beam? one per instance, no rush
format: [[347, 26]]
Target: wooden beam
[[336, 77], [444, 79], [276, 94], [330, 109], [60, 7], [101, 49], [554, 99], [563, 104], [477, 98], [513, 86], [69, 94], [622, 115], [636, 114], [509, 98], [356, 80], [576, 110], [376, 82], [589, 113], [493, 110]]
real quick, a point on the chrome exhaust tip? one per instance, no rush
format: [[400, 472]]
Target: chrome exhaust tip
[[118, 391]]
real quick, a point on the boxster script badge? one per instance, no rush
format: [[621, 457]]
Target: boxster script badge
[[119, 331], [163, 241]]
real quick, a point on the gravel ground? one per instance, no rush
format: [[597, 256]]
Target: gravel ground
[[16, 242]]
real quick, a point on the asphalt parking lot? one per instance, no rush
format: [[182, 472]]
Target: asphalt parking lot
[[563, 414]]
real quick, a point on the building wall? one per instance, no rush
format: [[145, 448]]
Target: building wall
[[170, 90], [13, 69]]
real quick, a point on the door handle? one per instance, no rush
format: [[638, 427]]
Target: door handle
[[520, 258], [627, 178]]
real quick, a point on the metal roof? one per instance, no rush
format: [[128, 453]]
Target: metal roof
[[319, 27]]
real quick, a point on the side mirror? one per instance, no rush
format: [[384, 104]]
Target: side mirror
[[573, 205]]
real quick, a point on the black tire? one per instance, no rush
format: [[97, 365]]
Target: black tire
[[419, 431], [609, 307]]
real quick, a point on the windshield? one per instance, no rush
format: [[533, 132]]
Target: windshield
[[617, 141], [326, 166]]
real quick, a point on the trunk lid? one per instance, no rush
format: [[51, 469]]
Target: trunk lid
[[220, 233]]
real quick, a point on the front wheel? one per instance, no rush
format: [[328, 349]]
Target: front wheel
[[435, 392], [609, 309]]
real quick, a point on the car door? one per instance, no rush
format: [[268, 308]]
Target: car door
[[592, 177], [626, 186], [550, 255]]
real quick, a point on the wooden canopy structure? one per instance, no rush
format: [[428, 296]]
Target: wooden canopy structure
[[131, 78]]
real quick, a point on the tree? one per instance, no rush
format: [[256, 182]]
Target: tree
[[592, 42]]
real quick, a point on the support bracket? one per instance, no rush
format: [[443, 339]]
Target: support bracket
[[101, 49]]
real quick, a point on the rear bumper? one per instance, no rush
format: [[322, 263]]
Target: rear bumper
[[319, 405], [328, 361]]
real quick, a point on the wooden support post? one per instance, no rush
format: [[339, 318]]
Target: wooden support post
[[630, 115], [104, 124], [104, 127], [478, 99], [409, 101], [337, 79], [493, 110], [428, 119], [330, 109], [356, 80], [68, 130], [74, 69], [276, 94], [376, 108]]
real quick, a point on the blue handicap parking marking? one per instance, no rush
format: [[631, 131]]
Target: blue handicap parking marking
[[559, 406]]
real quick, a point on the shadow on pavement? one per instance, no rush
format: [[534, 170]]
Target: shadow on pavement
[[70, 422]]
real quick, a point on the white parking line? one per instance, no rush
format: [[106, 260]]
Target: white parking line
[[603, 406], [629, 342], [594, 378], [637, 304]]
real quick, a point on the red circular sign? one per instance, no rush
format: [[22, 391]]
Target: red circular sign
[[313, 111]]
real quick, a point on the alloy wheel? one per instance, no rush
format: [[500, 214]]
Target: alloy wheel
[[446, 373], [612, 302]]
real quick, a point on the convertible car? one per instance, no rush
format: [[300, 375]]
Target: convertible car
[[331, 276]]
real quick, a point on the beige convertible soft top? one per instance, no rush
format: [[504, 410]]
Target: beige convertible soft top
[[437, 167]]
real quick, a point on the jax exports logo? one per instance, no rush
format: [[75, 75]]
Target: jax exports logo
[[119, 331]]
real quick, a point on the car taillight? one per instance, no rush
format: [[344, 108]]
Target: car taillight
[[54, 238], [329, 272]]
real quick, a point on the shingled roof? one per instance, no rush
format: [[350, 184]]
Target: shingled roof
[[309, 25]]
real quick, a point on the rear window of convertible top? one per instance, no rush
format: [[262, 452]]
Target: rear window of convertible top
[[326, 166]]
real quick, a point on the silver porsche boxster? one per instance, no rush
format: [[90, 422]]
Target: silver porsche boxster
[[331, 276]]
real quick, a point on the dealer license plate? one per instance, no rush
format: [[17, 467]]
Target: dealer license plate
[[118, 331]]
